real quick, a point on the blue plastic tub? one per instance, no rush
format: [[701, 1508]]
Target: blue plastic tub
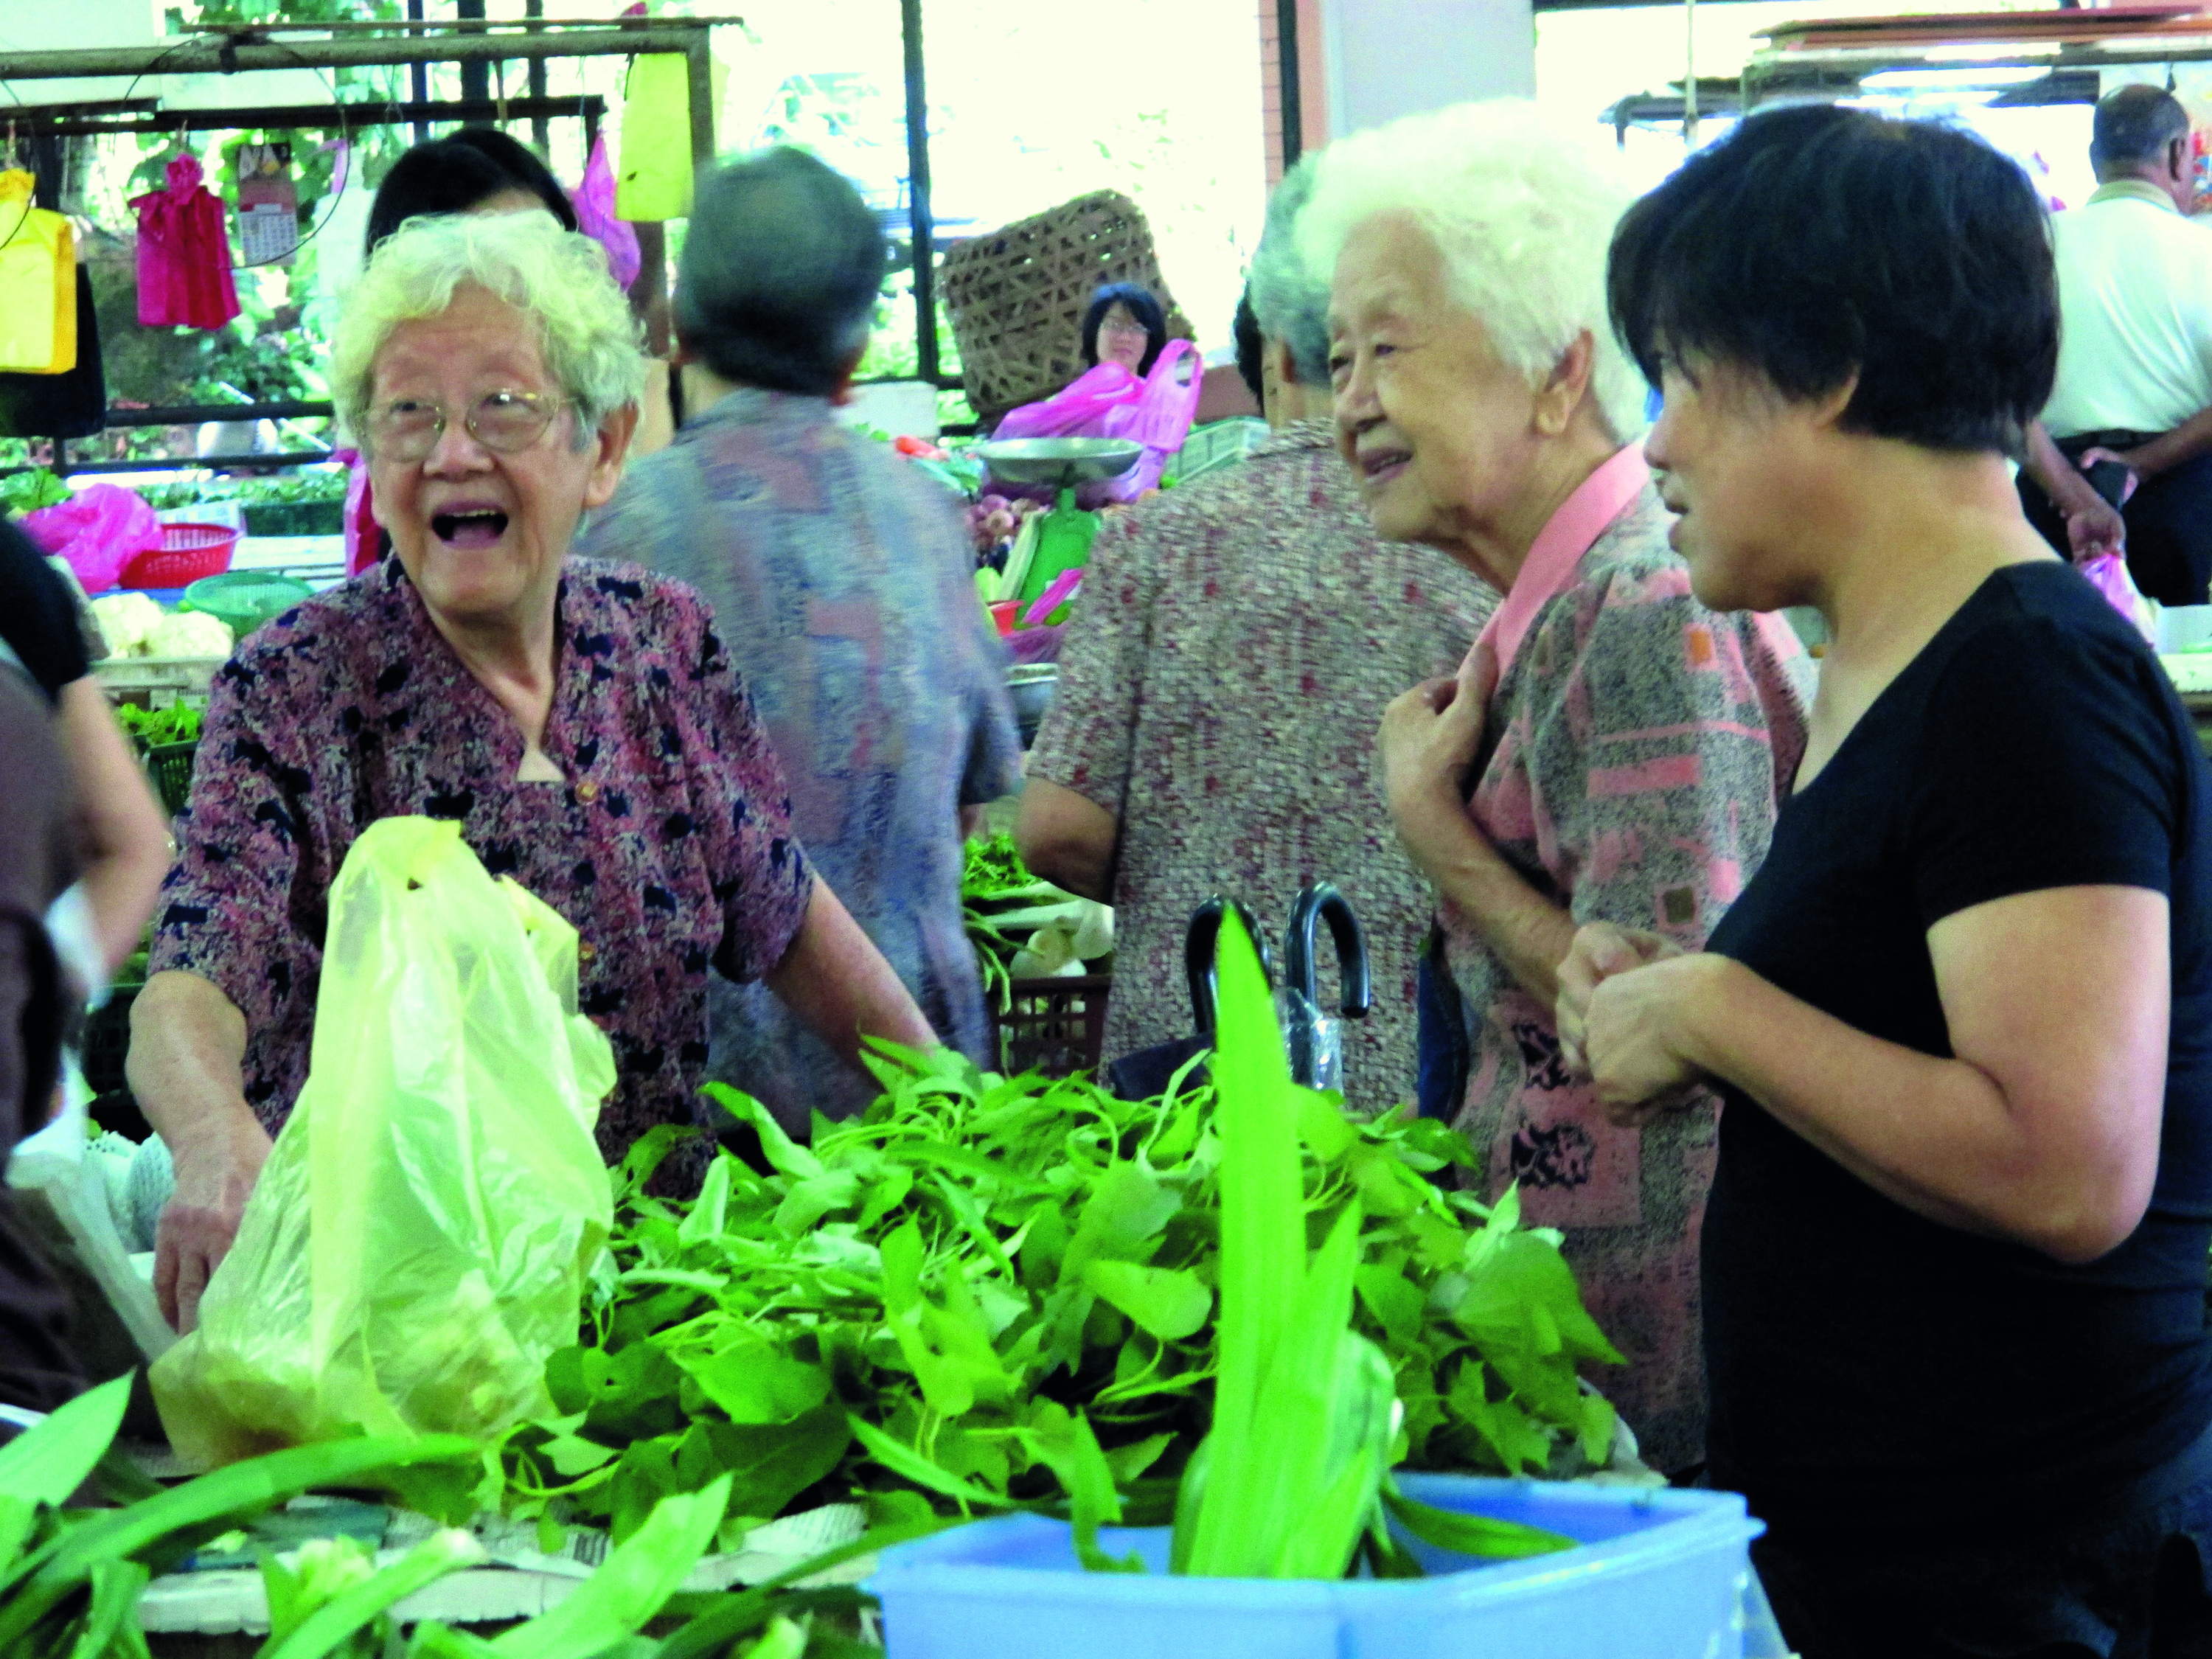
[[1660, 1575]]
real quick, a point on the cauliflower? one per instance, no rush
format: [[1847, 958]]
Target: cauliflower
[[190, 633], [127, 622]]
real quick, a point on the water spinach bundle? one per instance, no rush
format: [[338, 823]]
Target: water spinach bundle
[[936, 1304]]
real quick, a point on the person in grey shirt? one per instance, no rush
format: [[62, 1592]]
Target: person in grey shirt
[[843, 585]]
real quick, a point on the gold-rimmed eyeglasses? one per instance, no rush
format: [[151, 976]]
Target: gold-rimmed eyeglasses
[[407, 429]]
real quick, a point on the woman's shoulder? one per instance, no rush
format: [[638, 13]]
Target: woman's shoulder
[[638, 619], [2031, 628], [352, 625]]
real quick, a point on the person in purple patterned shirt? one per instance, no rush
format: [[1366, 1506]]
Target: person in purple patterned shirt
[[845, 587], [1611, 750], [582, 720]]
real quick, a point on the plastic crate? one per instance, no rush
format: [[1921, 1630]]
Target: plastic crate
[[170, 766], [1055, 1026], [188, 552], [1660, 1575]]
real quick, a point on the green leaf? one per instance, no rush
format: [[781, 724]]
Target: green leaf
[[752, 1381], [709, 1635], [110, 1624], [904, 1460], [48, 1461], [1394, 1300], [629, 1587], [1090, 1485], [355, 1609], [1169, 1303], [784, 1154], [1122, 1218], [1471, 1534], [770, 1466], [243, 1489]]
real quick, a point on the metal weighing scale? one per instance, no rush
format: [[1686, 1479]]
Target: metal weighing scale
[[1058, 540]]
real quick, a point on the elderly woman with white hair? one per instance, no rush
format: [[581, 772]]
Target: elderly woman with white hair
[[1610, 750], [580, 720]]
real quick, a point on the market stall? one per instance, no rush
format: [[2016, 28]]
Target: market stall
[[1186, 1358]]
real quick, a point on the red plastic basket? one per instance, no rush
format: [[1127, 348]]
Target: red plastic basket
[[187, 553]]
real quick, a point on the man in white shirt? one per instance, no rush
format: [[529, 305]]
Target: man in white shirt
[[2135, 358]]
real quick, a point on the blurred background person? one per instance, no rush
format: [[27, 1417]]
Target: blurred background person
[[120, 835], [1220, 679], [2135, 358], [1611, 750], [37, 1371], [842, 583]]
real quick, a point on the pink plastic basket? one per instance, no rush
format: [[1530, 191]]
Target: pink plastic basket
[[188, 553]]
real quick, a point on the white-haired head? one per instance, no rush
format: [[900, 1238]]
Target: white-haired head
[[1522, 210], [1290, 301], [556, 278]]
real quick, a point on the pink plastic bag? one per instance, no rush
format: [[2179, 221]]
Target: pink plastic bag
[[184, 255], [2108, 574], [1110, 401], [595, 202], [98, 530], [363, 535]]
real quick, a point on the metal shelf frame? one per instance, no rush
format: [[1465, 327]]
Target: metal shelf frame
[[232, 48]]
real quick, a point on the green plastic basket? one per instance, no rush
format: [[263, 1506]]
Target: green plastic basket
[[170, 766], [246, 598]]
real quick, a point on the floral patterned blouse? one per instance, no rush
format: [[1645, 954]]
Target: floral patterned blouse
[[1641, 746], [667, 842], [1220, 684]]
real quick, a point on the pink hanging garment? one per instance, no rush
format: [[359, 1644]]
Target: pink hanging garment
[[184, 255], [595, 202]]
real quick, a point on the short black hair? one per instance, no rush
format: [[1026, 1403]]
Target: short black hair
[[1142, 306], [780, 272], [1249, 347], [1816, 243], [459, 172], [2134, 125]]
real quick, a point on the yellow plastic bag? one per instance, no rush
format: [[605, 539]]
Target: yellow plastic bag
[[419, 1238], [37, 282], [652, 179]]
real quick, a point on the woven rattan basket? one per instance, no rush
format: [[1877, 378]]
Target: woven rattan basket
[[1016, 296]]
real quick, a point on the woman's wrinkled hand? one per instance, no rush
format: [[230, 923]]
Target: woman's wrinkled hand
[[1634, 1035], [1601, 950], [1429, 738], [200, 1223]]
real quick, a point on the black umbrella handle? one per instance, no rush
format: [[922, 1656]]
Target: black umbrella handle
[[1320, 902], [1198, 957]]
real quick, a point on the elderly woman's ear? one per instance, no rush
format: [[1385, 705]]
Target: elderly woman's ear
[[1566, 387], [613, 441]]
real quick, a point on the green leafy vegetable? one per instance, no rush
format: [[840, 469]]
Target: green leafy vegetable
[[1302, 1420], [914, 1308], [149, 728]]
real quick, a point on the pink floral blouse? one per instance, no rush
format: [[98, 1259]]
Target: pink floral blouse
[[1641, 746], [667, 844]]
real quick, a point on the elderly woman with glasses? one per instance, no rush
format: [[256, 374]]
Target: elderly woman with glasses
[[1611, 750], [580, 720]]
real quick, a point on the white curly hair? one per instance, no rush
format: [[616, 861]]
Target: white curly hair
[[557, 277], [1523, 210]]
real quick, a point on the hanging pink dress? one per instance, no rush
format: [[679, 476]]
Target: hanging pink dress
[[184, 255]]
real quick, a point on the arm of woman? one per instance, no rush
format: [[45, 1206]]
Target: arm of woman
[[122, 836], [2042, 1129], [839, 985], [187, 1043]]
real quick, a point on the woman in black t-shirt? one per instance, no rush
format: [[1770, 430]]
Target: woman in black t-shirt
[[1962, 1019]]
